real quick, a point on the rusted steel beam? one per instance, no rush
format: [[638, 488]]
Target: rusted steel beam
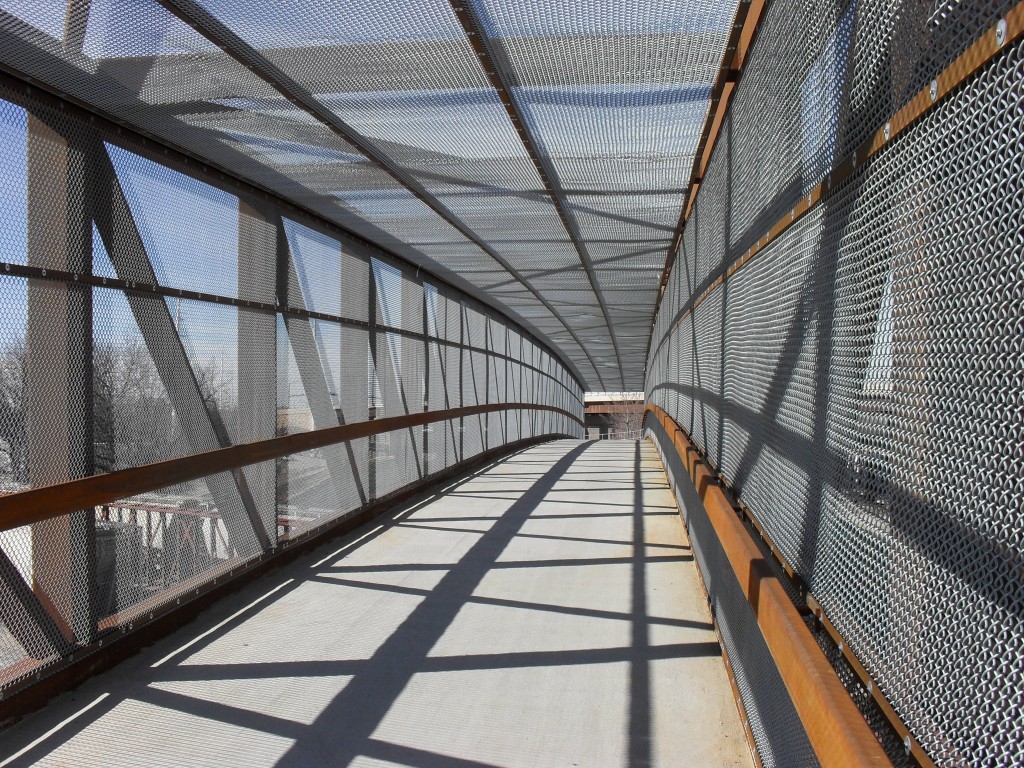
[[138, 286], [189, 162], [213, 29], [145, 623], [38, 504], [494, 64], [614, 408], [835, 728]]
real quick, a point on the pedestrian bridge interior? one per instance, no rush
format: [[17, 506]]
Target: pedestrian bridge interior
[[302, 305]]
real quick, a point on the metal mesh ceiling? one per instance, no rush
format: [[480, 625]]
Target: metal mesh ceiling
[[533, 153]]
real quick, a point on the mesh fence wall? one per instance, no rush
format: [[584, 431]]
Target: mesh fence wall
[[859, 381], [149, 314]]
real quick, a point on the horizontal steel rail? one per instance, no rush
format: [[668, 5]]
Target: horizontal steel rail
[[598, 408], [492, 60], [835, 728], [37, 504], [26, 90], [212, 28], [141, 625], [138, 286], [912, 745]]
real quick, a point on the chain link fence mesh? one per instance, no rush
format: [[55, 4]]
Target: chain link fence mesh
[[227, 320], [859, 381]]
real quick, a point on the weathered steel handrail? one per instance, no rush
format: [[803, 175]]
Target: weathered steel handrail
[[37, 504], [835, 728]]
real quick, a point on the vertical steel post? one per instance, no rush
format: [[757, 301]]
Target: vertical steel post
[[462, 380], [373, 383], [59, 376], [426, 377], [258, 275], [486, 418]]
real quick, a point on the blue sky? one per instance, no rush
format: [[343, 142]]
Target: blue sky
[[190, 231]]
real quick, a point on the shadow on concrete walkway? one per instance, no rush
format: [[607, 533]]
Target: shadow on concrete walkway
[[512, 633]]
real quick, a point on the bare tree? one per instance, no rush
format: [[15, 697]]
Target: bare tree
[[133, 420], [13, 448]]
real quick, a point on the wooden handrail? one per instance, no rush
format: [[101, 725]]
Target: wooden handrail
[[835, 728], [37, 504]]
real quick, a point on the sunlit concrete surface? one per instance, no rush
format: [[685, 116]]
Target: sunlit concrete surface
[[544, 611]]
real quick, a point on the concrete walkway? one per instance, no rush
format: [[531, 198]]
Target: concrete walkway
[[543, 612]]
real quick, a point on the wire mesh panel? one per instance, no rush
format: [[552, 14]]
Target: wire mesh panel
[[383, 150], [858, 379], [152, 312]]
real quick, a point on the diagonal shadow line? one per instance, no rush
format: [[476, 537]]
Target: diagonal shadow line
[[267, 670], [367, 698], [696, 285], [416, 758], [432, 664], [547, 537], [390, 520], [796, 333], [363, 535], [486, 495], [511, 564], [585, 657], [792, 343], [781, 438], [355, 540], [639, 731], [592, 489], [502, 602], [68, 731], [567, 516], [249, 719], [930, 532]]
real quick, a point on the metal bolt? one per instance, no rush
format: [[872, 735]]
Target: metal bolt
[[1001, 32], [906, 744], [888, 131], [934, 90]]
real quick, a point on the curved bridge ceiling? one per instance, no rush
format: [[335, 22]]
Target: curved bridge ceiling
[[535, 153]]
